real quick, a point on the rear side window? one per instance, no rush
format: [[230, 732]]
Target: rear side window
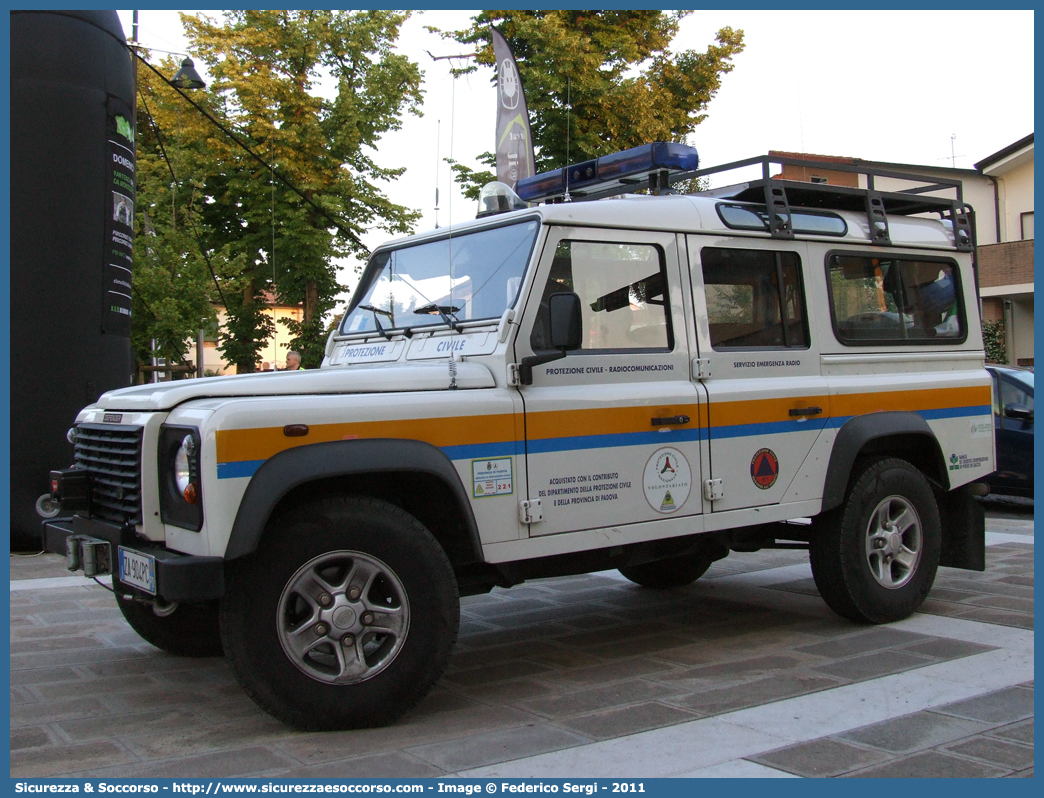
[[895, 300], [755, 299]]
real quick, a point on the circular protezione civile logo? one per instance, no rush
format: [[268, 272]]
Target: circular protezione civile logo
[[764, 468], [667, 480]]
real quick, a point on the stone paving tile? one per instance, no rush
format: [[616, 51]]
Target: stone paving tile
[[313, 748], [191, 740], [511, 692], [143, 723], [79, 656], [643, 645], [870, 666], [243, 762], [394, 765], [613, 723], [1025, 581], [996, 588], [1003, 603], [999, 617], [914, 732], [995, 752], [749, 694], [29, 737], [485, 749], [929, 765], [1002, 706], [543, 617], [623, 633], [61, 760], [494, 673], [945, 648], [1022, 774], [511, 606], [598, 698], [22, 695], [49, 712], [863, 642], [441, 700], [609, 671], [738, 670], [822, 757], [1019, 732], [490, 636]]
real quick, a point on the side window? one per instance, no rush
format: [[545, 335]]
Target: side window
[[755, 299], [876, 300], [621, 289]]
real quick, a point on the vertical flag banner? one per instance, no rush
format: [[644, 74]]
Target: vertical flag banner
[[514, 141]]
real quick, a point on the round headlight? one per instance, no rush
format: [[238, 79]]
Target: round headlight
[[182, 472]]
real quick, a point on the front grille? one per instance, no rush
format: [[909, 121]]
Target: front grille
[[112, 455]]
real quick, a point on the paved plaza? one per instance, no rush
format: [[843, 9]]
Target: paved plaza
[[744, 673]]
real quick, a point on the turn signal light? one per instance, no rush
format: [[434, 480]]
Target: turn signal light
[[190, 494]]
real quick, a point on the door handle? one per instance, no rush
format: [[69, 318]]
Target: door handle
[[805, 411], [663, 422]]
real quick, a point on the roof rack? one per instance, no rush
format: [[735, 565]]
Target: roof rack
[[660, 165], [779, 195]]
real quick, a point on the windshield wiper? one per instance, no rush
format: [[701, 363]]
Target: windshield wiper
[[377, 321], [445, 311]]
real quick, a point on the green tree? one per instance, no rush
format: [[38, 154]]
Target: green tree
[[612, 71], [311, 93], [172, 285]]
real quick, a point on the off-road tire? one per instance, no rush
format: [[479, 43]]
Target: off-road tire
[[672, 572], [842, 551], [257, 622], [192, 630]]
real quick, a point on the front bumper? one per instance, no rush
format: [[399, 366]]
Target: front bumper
[[179, 577]]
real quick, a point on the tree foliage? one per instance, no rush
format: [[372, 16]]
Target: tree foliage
[[597, 82], [311, 93]]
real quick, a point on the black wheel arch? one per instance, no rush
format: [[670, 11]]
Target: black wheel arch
[[894, 433], [362, 466]]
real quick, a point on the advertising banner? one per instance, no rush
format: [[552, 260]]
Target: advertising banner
[[514, 141], [119, 218]]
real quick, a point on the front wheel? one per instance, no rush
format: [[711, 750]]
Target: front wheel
[[345, 616], [874, 559]]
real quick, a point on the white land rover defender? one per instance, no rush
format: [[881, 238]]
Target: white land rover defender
[[640, 382]]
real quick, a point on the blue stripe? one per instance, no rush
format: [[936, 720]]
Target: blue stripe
[[240, 468], [928, 415], [481, 451]]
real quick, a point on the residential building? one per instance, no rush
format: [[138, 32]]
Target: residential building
[[1000, 190], [274, 352]]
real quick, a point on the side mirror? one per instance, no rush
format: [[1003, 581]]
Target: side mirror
[[1019, 412], [564, 316], [564, 312]]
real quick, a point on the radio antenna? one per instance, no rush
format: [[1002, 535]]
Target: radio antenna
[[569, 108], [438, 137]]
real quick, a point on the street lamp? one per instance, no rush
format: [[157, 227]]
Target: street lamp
[[187, 77]]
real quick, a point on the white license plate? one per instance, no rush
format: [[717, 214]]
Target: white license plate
[[138, 569]]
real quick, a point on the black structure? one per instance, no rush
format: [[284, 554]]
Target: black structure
[[72, 210]]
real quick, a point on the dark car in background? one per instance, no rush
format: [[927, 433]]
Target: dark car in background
[[1013, 427]]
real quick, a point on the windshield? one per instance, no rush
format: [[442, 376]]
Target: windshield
[[455, 279]]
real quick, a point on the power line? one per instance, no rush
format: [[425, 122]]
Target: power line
[[341, 229]]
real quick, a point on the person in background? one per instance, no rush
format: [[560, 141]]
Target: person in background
[[293, 360]]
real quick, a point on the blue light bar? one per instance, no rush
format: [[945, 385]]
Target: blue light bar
[[609, 174]]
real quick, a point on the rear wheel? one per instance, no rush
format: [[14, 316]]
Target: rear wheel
[[345, 616], [874, 559], [672, 572], [191, 630]]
